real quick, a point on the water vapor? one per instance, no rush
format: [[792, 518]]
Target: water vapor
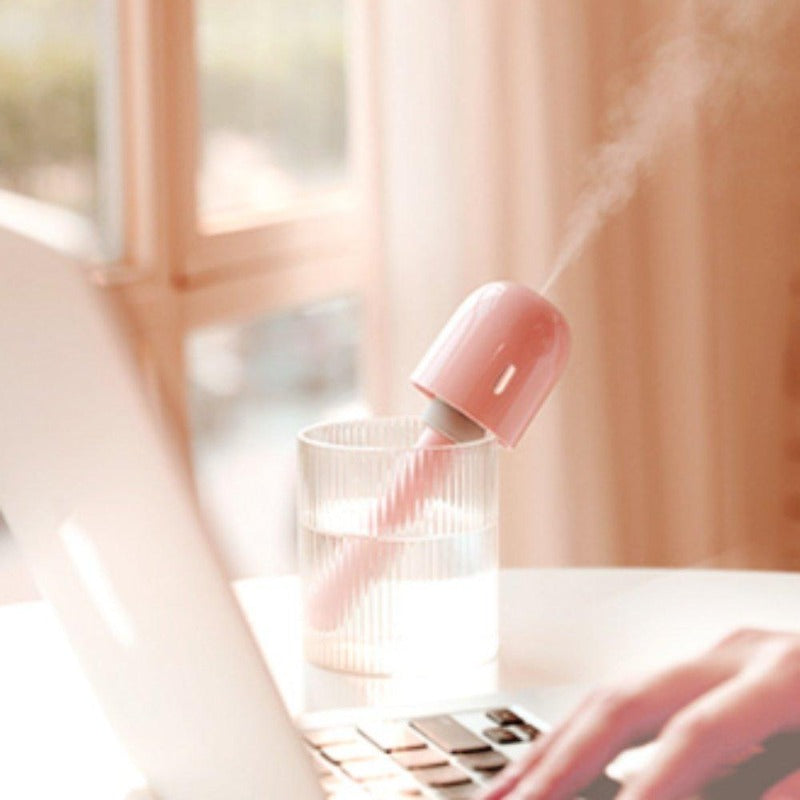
[[724, 53]]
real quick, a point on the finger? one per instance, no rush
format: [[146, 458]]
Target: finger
[[787, 789], [613, 723], [511, 775], [508, 779], [706, 738]]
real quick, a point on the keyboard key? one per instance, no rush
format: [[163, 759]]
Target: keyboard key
[[392, 736], [450, 735], [332, 783], [504, 716], [603, 788], [349, 793], [321, 766], [527, 732], [349, 751], [383, 788], [416, 759], [501, 735], [442, 776], [345, 791], [459, 792], [483, 762], [322, 737], [369, 770]]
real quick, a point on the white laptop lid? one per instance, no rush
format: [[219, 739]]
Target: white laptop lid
[[99, 506]]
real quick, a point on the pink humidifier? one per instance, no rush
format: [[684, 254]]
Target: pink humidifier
[[490, 369]]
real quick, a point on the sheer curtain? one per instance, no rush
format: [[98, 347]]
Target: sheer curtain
[[671, 439]]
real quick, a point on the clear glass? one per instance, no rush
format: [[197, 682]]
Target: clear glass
[[58, 116], [398, 548], [272, 78], [252, 386]]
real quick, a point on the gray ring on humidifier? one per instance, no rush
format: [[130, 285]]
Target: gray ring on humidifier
[[450, 422]]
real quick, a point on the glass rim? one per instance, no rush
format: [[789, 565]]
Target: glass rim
[[305, 437]]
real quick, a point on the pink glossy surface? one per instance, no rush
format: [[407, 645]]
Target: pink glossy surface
[[497, 358]]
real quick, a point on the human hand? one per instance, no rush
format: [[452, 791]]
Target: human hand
[[709, 714]]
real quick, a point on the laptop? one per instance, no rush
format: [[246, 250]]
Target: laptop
[[97, 498]]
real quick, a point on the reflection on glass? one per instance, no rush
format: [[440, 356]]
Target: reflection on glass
[[53, 59], [252, 387], [272, 100]]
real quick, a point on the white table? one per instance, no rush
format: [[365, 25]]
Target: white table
[[558, 627]]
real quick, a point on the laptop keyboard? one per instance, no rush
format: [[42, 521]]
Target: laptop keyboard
[[445, 756]]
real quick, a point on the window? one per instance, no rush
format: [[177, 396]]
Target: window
[[273, 106], [252, 386], [58, 144], [214, 154]]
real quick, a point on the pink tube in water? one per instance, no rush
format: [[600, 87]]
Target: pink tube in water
[[490, 369], [364, 560]]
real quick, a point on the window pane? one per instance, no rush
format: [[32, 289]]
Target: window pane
[[252, 387], [55, 73], [273, 105]]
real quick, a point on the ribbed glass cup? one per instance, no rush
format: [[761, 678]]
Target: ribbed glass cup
[[398, 548]]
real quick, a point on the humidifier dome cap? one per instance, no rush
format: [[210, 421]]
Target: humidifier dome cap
[[497, 358]]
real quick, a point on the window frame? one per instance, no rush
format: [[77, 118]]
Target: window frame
[[161, 130], [198, 275]]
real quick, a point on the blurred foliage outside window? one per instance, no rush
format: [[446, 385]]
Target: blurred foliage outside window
[[272, 84], [48, 118]]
